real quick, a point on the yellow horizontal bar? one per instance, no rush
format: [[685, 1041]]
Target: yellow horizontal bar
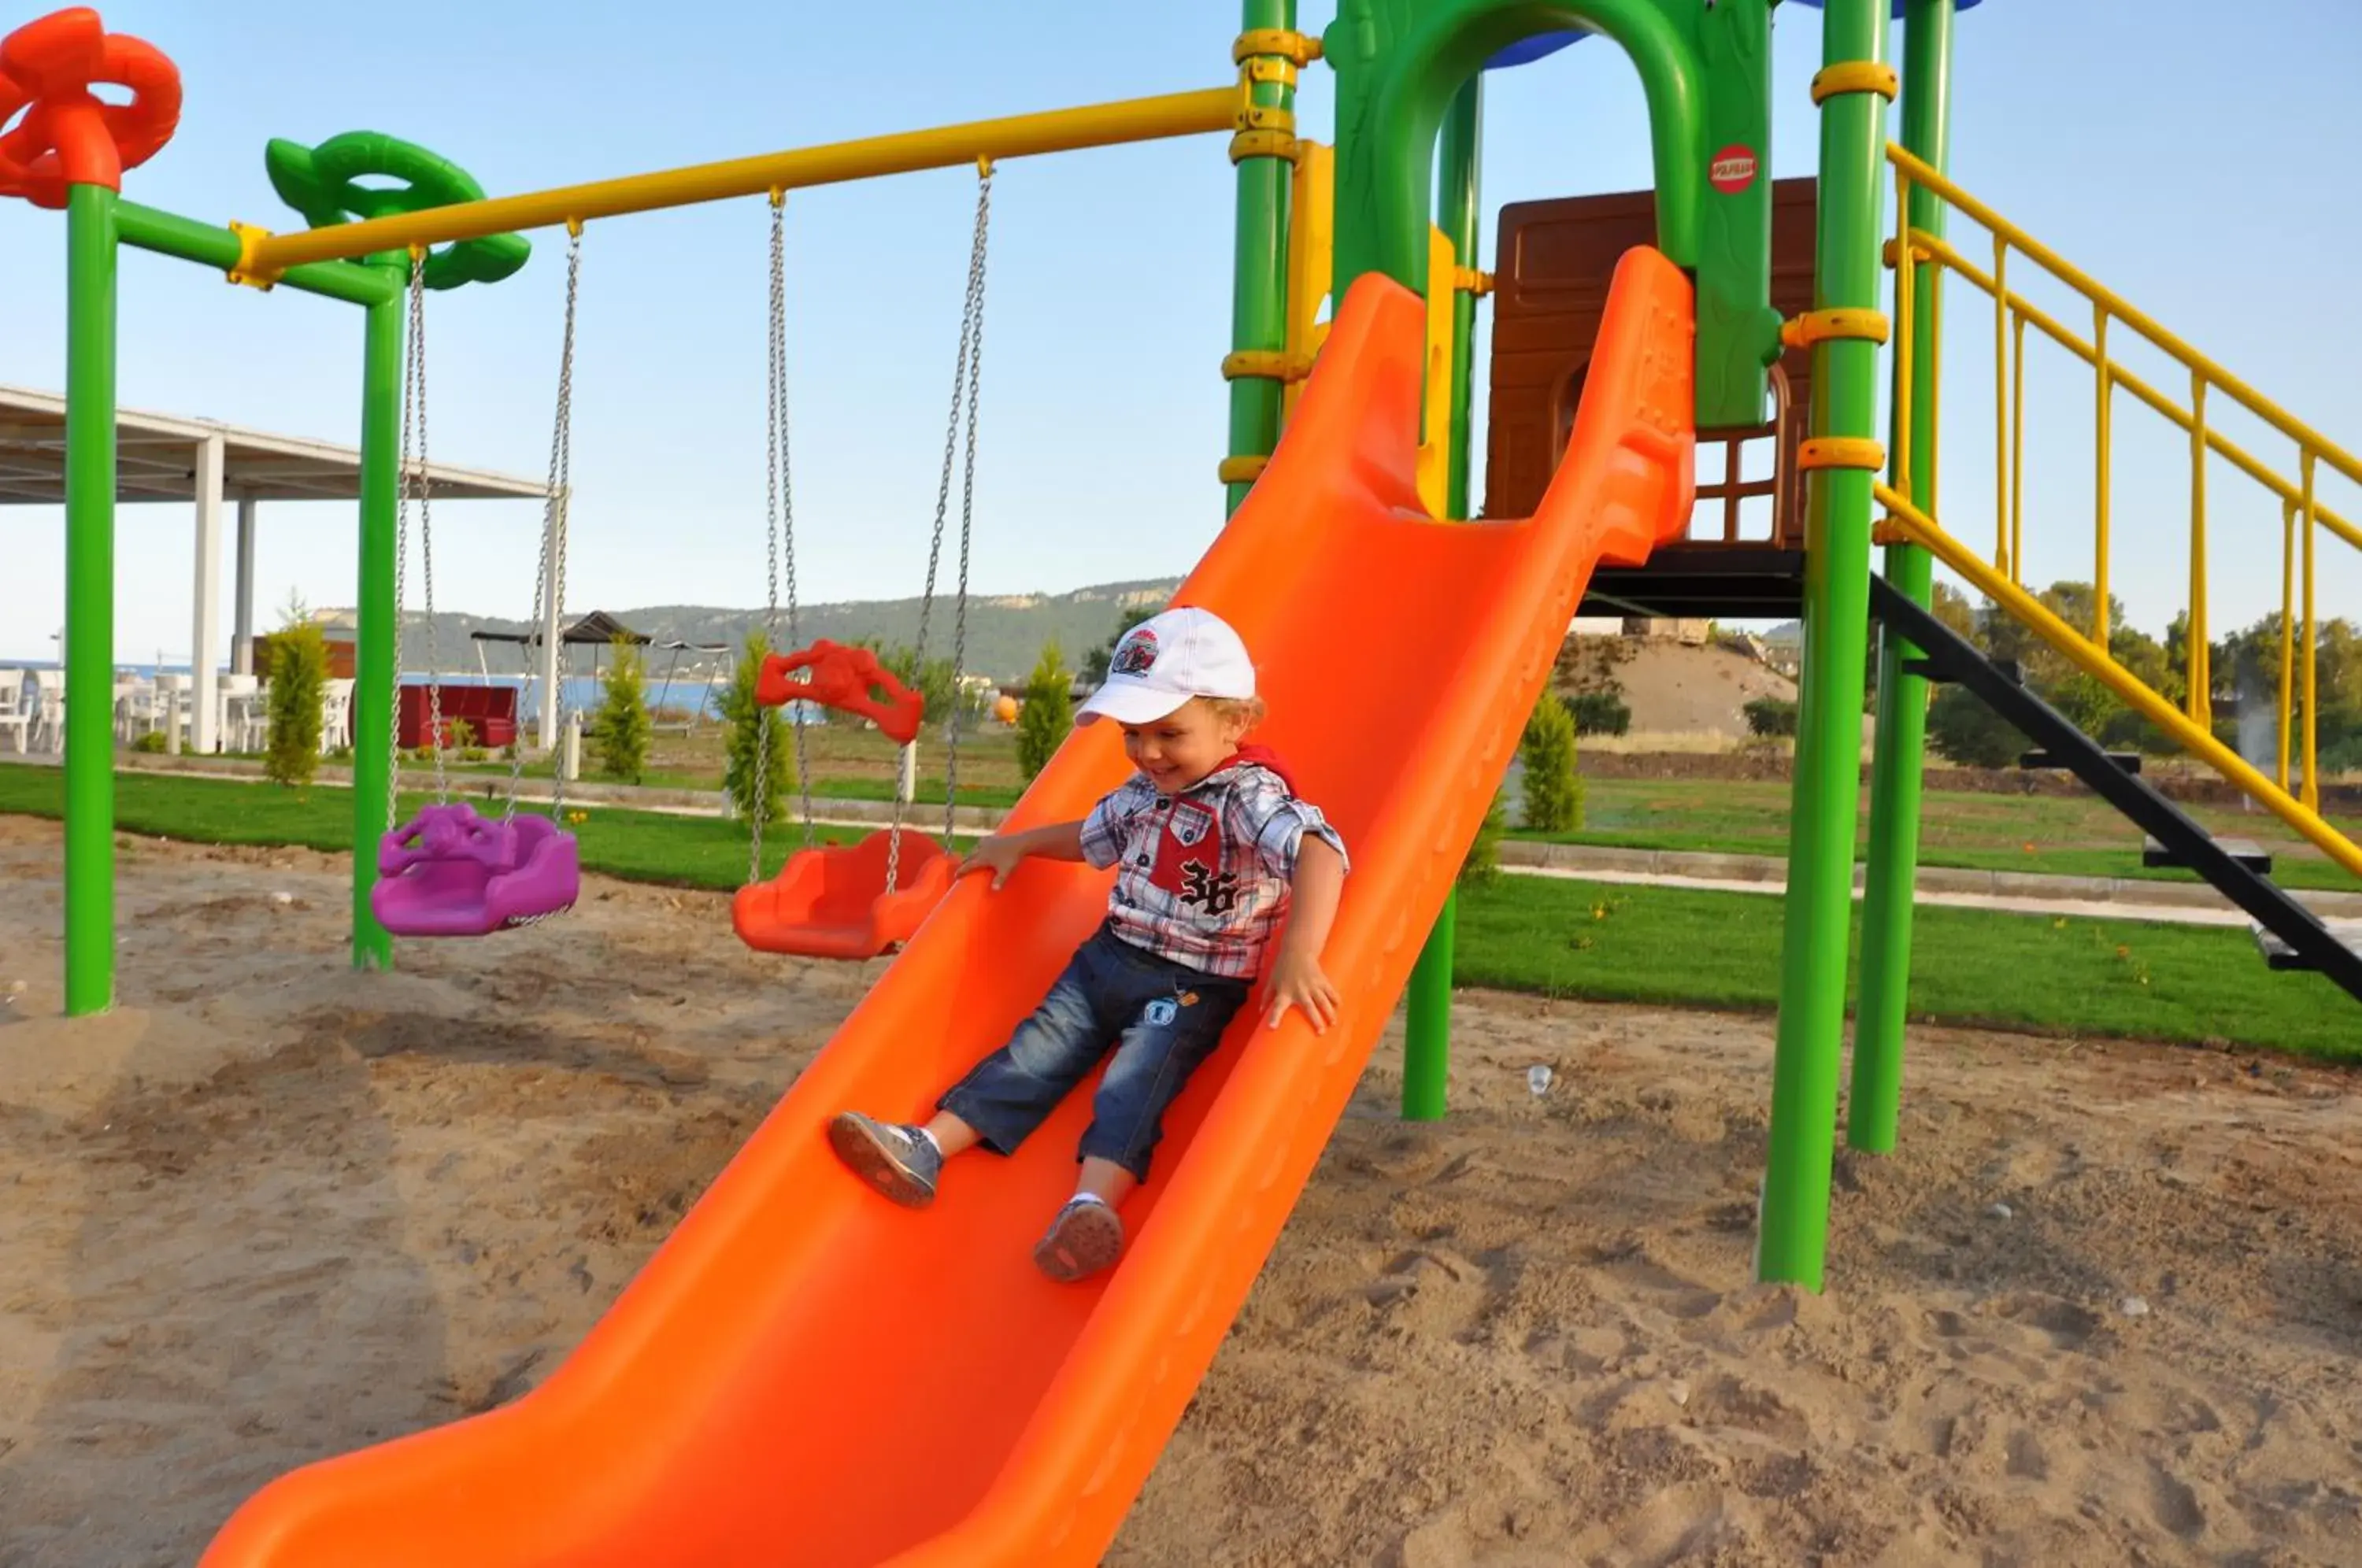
[[1942, 252], [944, 146], [2270, 413], [2093, 660]]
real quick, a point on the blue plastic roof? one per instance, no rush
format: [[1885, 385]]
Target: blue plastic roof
[[1525, 51]]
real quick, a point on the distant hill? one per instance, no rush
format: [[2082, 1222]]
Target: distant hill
[[1005, 632]]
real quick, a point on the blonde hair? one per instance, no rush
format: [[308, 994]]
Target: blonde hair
[[1245, 711]]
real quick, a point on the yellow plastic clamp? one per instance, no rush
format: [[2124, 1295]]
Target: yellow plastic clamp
[[1265, 364], [1470, 281], [1854, 76], [1253, 115], [249, 235], [1841, 452], [1885, 530], [1249, 144], [1841, 325], [1263, 68], [1296, 49], [1241, 470]]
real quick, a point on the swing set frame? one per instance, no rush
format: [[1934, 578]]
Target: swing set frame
[[367, 264]]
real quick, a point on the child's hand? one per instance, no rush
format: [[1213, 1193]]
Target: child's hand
[[1298, 982], [997, 855]]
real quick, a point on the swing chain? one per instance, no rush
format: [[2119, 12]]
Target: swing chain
[[549, 569], [964, 371], [968, 510], [415, 484], [779, 516]]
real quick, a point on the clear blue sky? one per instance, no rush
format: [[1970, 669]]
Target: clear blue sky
[[2203, 171]]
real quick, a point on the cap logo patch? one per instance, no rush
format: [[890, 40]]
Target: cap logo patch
[[1136, 654]]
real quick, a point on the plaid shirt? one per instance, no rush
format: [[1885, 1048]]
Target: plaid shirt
[[1204, 874]]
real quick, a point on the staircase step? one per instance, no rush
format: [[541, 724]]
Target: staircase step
[[2279, 955], [2246, 851], [2130, 761]]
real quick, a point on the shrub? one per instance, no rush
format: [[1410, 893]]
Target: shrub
[[749, 737], [1048, 714], [458, 735], [1554, 788], [153, 740], [621, 727], [299, 681], [1600, 712], [1770, 716], [1484, 862], [1964, 730]]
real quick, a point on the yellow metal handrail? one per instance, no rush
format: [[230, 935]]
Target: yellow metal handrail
[[2012, 314], [2094, 660]]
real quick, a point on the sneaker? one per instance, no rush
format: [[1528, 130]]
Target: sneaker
[[901, 1162], [1085, 1237]]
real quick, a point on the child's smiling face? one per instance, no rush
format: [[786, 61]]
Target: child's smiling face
[[1184, 746]]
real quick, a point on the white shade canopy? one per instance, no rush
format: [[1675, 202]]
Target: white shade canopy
[[155, 459]]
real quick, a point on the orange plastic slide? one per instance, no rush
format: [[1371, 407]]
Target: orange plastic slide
[[807, 1375]]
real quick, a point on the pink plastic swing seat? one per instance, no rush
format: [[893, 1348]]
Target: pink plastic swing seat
[[447, 872]]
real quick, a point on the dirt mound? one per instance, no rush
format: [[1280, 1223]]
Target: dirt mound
[[1678, 690]]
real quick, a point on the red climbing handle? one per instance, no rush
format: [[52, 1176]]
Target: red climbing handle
[[843, 677], [68, 136]]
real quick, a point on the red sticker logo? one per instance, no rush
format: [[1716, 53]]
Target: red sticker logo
[[1732, 170]]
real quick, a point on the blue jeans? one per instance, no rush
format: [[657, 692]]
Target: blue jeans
[[1162, 1018]]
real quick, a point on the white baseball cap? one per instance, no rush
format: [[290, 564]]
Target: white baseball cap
[[1164, 661]]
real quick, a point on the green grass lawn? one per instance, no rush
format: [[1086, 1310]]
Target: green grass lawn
[[1547, 936], [2074, 836], [2047, 973]]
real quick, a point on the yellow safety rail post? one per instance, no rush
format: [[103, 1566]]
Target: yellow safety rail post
[[2288, 627], [1434, 467], [2303, 519], [265, 255], [2200, 658], [1312, 261], [2312, 652], [2099, 478]]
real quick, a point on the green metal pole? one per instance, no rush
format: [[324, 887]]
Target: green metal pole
[[1795, 1212], [1427, 1037], [1259, 273], [1898, 767], [169, 234], [373, 671], [90, 600]]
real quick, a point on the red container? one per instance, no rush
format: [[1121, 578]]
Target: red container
[[490, 712]]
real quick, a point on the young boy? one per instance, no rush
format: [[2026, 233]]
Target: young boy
[[1215, 856]]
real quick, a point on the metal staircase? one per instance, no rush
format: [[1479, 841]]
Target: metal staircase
[[2290, 935]]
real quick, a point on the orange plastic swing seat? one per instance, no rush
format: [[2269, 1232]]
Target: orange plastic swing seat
[[833, 901]]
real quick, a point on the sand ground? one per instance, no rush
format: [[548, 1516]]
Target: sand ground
[[268, 1210]]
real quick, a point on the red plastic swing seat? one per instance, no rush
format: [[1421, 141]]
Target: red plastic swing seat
[[833, 901]]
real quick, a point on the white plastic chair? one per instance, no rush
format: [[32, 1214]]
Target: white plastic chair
[[134, 708], [335, 716], [175, 709], [16, 710], [49, 711], [241, 723]]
